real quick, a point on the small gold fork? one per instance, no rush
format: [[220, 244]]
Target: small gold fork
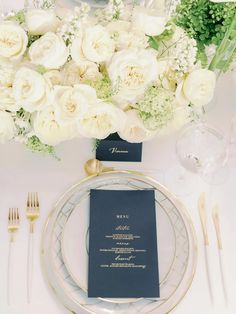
[[13, 227], [32, 211], [32, 214]]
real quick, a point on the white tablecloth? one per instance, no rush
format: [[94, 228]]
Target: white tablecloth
[[21, 171]]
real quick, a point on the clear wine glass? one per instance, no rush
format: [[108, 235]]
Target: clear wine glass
[[203, 149]]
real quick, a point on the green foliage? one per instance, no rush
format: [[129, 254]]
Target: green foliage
[[204, 20], [44, 4], [154, 41], [19, 17], [35, 145], [201, 55], [41, 69], [32, 38], [96, 144]]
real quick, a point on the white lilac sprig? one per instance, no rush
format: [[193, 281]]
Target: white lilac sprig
[[181, 52], [23, 126], [113, 11], [71, 27]]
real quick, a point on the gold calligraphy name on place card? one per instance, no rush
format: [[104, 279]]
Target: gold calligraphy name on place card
[[115, 150]]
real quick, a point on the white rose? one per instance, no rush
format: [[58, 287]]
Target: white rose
[[147, 20], [13, 41], [30, 89], [76, 51], [101, 120], [182, 116], [97, 45], [7, 100], [7, 74], [7, 127], [49, 51], [134, 130], [53, 77], [41, 21], [179, 94], [197, 88], [131, 71], [75, 73], [125, 36], [71, 103], [48, 130]]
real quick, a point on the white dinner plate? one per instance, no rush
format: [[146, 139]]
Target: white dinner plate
[[75, 241], [65, 257]]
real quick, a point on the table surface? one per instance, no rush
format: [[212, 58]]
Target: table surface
[[22, 171]]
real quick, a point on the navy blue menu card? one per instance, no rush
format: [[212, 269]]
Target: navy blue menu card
[[123, 259]]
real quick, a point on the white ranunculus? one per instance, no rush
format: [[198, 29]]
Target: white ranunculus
[[30, 89], [71, 103], [13, 41], [7, 127], [148, 21], [53, 77], [49, 51], [41, 21], [101, 120], [198, 88], [134, 130], [131, 71], [48, 130], [75, 73], [97, 45]]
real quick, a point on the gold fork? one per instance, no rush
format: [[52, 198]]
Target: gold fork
[[32, 214], [13, 227]]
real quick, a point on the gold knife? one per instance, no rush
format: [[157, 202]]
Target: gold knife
[[203, 219]]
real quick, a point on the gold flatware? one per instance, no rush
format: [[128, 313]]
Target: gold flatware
[[32, 214], [95, 167], [13, 227], [203, 219], [216, 221]]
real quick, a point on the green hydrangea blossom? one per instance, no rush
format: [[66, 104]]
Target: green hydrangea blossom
[[156, 107], [103, 88]]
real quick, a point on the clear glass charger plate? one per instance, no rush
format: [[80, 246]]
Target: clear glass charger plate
[[177, 248]]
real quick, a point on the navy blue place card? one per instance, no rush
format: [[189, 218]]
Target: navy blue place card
[[123, 259], [113, 148]]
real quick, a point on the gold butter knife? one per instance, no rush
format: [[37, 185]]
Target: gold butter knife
[[203, 219]]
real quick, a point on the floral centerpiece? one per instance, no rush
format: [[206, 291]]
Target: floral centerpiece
[[138, 71]]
